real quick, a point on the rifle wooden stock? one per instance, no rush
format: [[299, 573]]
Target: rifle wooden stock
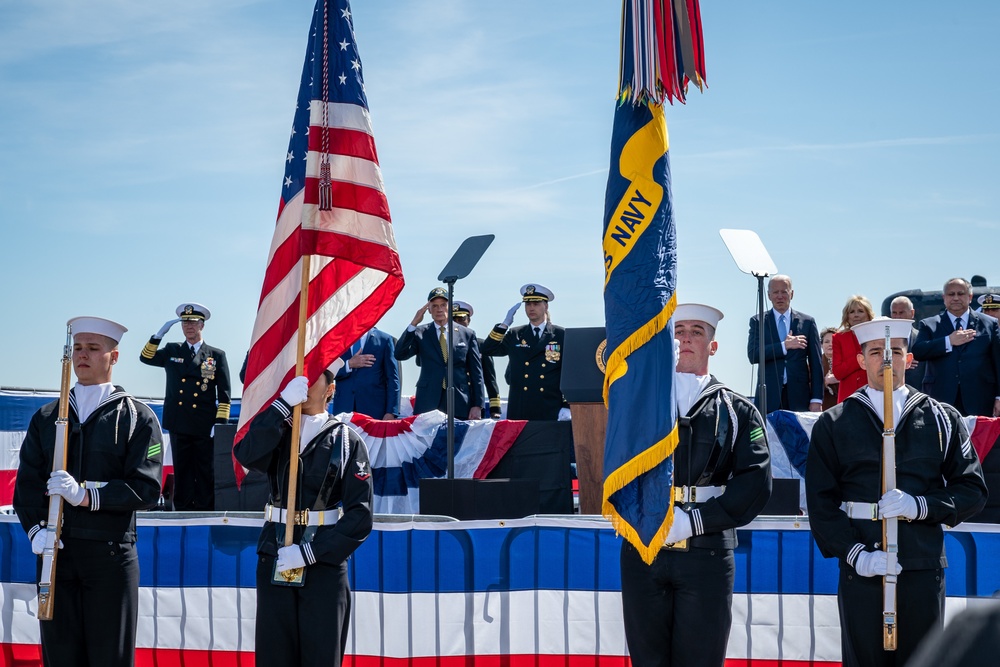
[[890, 527], [53, 523]]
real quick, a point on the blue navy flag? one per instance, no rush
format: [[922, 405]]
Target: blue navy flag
[[661, 52]]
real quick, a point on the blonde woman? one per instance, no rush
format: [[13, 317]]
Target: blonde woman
[[846, 348]]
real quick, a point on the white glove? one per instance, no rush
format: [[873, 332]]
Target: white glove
[[896, 503], [38, 543], [290, 558], [61, 483], [681, 528], [873, 564], [509, 319], [165, 328], [296, 391], [564, 415]]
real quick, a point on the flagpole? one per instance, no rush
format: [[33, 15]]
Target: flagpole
[[293, 461]]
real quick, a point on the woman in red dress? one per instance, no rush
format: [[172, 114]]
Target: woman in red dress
[[846, 348]]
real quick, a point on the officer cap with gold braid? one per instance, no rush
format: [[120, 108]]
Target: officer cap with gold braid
[[461, 309], [990, 303], [193, 311], [536, 292]]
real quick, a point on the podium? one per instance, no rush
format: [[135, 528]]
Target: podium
[[582, 385]]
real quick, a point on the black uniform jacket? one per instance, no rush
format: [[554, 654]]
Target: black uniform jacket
[[467, 378], [330, 461], [490, 380], [534, 369], [935, 463], [194, 384], [120, 445], [723, 443]]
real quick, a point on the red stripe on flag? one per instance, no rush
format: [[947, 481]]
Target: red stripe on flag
[[29, 655], [354, 196], [359, 251], [505, 432], [377, 428], [352, 143], [984, 436], [7, 486]]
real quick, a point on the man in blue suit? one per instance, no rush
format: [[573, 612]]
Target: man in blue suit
[[369, 381], [962, 351], [428, 342], [793, 366]]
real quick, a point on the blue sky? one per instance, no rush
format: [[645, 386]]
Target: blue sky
[[142, 147]]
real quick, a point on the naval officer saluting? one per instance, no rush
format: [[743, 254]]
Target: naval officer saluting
[[535, 353], [196, 398]]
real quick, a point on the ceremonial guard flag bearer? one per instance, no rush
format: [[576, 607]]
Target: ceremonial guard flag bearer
[[307, 625], [678, 610], [113, 469], [938, 480]]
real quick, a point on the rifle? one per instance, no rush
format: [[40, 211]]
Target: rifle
[[53, 525], [890, 527]]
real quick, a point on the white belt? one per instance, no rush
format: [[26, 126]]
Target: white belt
[[697, 494], [856, 510], [302, 517]]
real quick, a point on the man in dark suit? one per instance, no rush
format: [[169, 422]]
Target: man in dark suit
[[461, 313], [961, 349], [428, 342], [901, 308], [369, 381], [197, 398], [793, 366], [534, 352]]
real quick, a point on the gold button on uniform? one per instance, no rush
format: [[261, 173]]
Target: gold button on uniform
[[526, 389], [196, 394], [180, 404], [184, 379], [540, 377], [525, 375], [180, 391], [541, 389], [526, 363]]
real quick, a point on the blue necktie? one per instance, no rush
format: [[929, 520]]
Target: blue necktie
[[782, 335]]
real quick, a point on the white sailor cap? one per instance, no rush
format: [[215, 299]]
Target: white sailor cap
[[97, 325], [536, 292], [700, 312], [335, 367], [193, 311], [875, 329], [461, 309]]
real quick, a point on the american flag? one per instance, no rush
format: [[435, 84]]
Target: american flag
[[354, 275]]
